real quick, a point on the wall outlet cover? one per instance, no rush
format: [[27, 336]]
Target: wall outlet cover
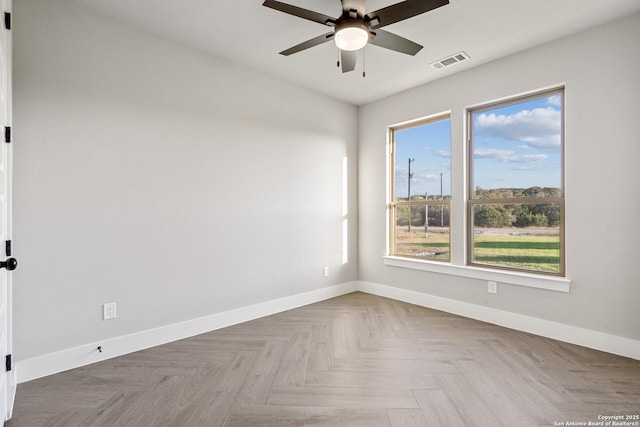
[[492, 287], [109, 311]]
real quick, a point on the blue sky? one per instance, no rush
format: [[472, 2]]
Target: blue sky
[[516, 146], [519, 146], [430, 146]]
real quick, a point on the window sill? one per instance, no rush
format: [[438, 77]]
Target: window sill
[[552, 283]]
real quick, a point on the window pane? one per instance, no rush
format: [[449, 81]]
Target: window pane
[[516, 153], [521, 236], [415, 238], [423, 161], [517, 149]]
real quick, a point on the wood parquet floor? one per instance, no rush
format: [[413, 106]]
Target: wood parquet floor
[[355, 360]]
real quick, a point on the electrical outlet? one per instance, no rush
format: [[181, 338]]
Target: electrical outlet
[[109, 311], [325, 271], [492, 287]]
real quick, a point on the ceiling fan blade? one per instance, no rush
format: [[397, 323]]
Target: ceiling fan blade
[[300, 12], [348, 59], [392, 41], [358, 5], [309, 43], [401, 11]]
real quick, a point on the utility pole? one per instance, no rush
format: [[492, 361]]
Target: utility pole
[[409, 176], [441, 206], [426, 213]]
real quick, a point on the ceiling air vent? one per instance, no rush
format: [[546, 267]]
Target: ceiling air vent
[[450, 60]]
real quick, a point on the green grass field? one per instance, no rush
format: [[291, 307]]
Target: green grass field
[[526, 251], [415, 244], [523, 251]]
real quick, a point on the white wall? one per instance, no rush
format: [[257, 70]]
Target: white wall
[[180, 185], [175, 184], [602, 175]]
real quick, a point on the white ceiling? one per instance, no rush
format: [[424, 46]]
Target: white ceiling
[[248, 33]]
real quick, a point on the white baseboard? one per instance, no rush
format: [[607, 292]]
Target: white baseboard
[[51, 363], [63, 360], [546, 328]]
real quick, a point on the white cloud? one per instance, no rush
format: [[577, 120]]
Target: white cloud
[[443, 153], [538, 128], [528, 158], [526, 168], [492, 153], [426, 176], [555, 100], [507, 156]]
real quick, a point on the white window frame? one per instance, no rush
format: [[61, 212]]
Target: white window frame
[[392, 199], [458, 265]]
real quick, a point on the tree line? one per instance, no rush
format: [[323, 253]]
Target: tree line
[[519, 215], [438, 214]]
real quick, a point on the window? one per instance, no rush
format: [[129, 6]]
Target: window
[[502, 216], [420, 193], [516, 197]]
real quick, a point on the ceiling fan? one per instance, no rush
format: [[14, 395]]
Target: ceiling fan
[[354, 28]]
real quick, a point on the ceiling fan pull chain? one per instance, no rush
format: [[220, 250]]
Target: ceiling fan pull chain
[[364, 74], [338, 58]]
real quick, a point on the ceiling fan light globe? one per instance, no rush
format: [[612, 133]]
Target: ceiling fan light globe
[[351, 38]]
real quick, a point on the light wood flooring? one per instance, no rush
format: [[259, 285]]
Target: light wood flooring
[[355, 360]]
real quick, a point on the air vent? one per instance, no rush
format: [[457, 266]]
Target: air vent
[[450, 60]]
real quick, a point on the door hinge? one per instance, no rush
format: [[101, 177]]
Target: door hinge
[[7, 20], [7, 247], [7, 363], [7, 134]]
